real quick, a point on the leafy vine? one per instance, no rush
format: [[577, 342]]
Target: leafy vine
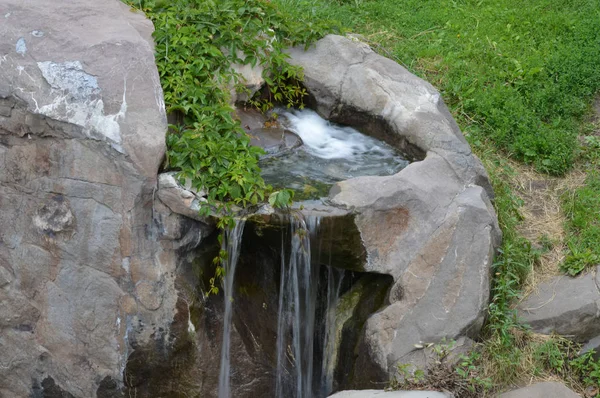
[[198, 42]]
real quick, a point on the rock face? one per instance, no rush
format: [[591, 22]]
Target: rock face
[[542, 390], [431, 226], [83, 277], [567, 306]]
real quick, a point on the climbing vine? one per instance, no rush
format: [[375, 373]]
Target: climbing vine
[[198, 42]]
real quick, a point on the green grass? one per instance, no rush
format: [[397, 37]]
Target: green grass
[[582, 208], [520, 73]]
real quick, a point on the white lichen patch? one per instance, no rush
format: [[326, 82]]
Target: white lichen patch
[[21, 46], [77, 100]]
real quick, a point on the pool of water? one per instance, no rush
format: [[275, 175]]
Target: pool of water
[[330, 153]]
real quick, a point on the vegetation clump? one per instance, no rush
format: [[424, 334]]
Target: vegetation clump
[[198, 44]]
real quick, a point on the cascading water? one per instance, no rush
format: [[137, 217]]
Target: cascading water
[[231, 244], [335, 278], [295, 323], [297, 328], [308, 295], [329, 153]]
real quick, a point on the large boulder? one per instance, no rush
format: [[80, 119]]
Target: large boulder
[[566, 306], [82, 125], [431, 226]]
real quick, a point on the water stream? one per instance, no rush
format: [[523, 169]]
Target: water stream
[[329, 153], [309, 288], [300, 336], [231, 244]]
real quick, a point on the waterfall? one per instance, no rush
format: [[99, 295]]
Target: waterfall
[[306, 341], [297, 328], [230, 244], [334, 284], [294, 324]]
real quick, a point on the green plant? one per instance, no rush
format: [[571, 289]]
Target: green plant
[[587, 368], [198, 43], [582, 208], [468, 369], [551, 356], [463, 379]]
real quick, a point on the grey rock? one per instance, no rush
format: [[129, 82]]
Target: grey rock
[[179, 198], [82, 262], [431, 226], [593, 344], [390, 394], [542, 390], [275, 141], [251, 78], [266, 133], [564, 305]]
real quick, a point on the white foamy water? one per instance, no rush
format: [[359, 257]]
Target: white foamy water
[[329, 153], [331, 141]]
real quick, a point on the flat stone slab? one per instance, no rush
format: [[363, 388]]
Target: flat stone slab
[[390, 394], [564, 305], [547, 389]]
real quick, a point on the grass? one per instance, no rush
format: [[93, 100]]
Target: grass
[[519, 78], [582, 207]]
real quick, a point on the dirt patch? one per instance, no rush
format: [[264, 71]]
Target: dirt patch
[[543, 219]]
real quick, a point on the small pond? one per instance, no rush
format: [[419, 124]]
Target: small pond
[[329, 153]]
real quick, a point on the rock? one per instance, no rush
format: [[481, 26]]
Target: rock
[[390, 394], [542, 390], [593, 344], [82, 134], [566, 306], [178, 198], [275, 141], [251, 78], [352, 310], [431, 226], [266, 133]]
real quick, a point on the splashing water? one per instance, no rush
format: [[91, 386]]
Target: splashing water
[[231, 244], [329, 153]]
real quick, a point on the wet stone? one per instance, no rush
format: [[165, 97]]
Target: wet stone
[[275, 141]]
